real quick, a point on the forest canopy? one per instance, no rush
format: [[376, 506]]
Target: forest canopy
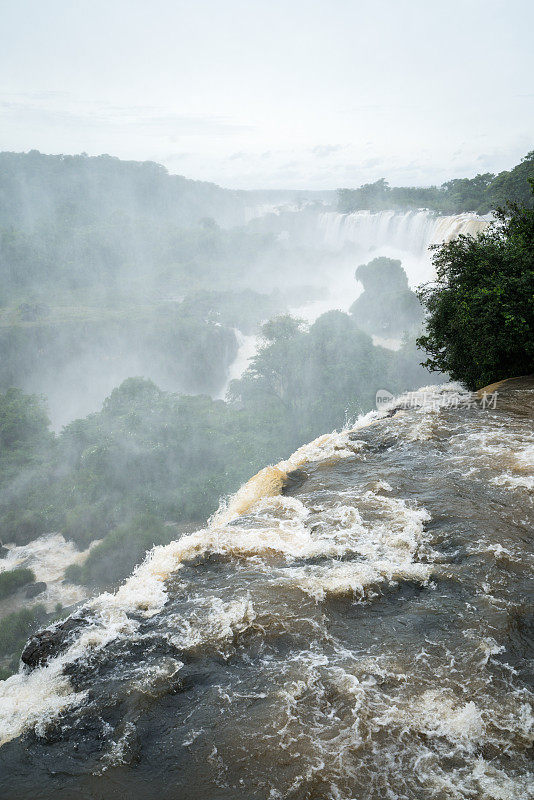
[[481, 194]]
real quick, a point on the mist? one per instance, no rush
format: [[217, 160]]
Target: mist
[[266, 400]]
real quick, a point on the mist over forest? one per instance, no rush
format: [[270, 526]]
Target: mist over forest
[[266, 400], [163, 339]]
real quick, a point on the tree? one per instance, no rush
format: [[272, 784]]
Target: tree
[[23, 421], [468, 194], [513, 186], [283, 327], [387, 305], [480, 325]]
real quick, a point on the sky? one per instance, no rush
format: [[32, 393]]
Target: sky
[[312, 94]]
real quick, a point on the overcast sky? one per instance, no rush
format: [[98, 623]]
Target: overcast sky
[[265, 93]]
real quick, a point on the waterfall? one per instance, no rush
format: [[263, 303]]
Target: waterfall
[[406, 235], [410, 231], [248, 345]]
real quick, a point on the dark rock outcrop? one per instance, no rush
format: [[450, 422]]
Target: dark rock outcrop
[[51, 642], [294, 480], [34, 589]]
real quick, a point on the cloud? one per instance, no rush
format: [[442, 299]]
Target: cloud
[[324, 150], [372, 162], [52, 109]]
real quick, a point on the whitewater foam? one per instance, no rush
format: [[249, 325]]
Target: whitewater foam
[[351, 697]]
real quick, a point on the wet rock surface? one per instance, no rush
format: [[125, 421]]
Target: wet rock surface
[[51, 641], [364, 634], [35, 589]]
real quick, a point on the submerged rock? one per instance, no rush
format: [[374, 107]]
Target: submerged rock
[[34, 589], [51, 641], [294, 479]]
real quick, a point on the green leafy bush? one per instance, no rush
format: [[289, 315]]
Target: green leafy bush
[[480, 325], [13, 579], [114, 558], [16, 627], [86, 522], [21, 525]]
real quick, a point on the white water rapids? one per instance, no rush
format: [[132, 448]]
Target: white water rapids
[[362, 635]]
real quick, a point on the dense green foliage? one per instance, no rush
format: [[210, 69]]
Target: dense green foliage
[[174, 456], [15, 627], [14, 631], [175, 347], [482, 193], [114, 558], [76, 355], [387, 306], [13, 579], [24, 436], [146, 451], [23, 424], [313, 380], [480, 325]]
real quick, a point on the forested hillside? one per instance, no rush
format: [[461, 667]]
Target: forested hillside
[[483, 193]]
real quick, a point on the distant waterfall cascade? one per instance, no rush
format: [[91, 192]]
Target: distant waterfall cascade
[[248, 345], [410, 231]]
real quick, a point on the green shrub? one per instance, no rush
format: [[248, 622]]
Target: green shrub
[[16, 627], [23, 423], [74, 573], [13, 579], [114, 559], [24, 525], [480, 325], [84, 523]]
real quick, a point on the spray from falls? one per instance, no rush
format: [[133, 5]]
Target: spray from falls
[[405, 235], [410, 231]]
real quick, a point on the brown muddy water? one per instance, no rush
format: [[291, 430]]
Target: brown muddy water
[[355, 624]]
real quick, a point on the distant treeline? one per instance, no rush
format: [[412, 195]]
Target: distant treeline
[[480, 194], [36, 189], [88, 230], [99, 228]]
